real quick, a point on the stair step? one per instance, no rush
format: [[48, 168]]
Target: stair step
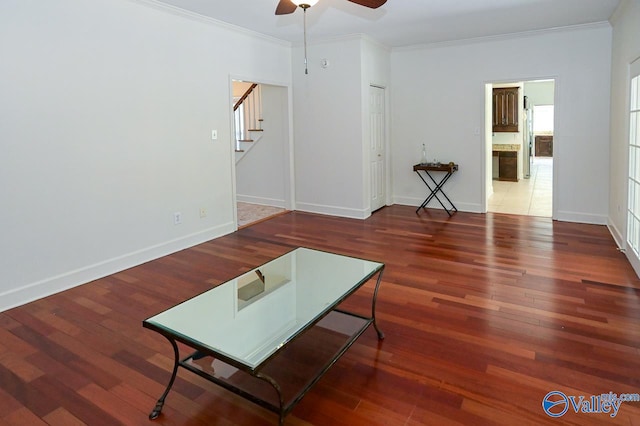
[[256, 130], [245, 140]]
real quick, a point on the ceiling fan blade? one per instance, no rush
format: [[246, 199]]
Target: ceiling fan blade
[[285, 7], [373, 4]]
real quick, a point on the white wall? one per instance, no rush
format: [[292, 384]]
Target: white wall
[[262, 174], [438, 99], [539, 92], [626, 48], [106, 112], [327, 113], [331, 124]]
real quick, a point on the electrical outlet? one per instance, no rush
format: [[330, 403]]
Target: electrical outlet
[[203, 212], [177, 218]]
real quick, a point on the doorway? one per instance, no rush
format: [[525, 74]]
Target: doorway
[[377, 145], [262, 152], [520, 170]]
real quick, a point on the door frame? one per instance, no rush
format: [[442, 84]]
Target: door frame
[[486, 145], [385, 148], [289, 181], [630, 253]]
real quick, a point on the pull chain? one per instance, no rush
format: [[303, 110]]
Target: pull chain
[[306, 70]]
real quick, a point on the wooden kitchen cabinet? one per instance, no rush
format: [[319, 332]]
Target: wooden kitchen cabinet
[[508, 166], [544, 146], [505, 109]]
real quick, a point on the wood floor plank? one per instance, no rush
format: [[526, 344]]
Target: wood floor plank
[[8, 404], [61, 417], [21, 417], [20, 366], [483, 316]]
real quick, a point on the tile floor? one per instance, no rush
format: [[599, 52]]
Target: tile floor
[[529, 197], [249, 213]]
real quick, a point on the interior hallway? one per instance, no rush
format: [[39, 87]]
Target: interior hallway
[[530, 197], [249, 213]]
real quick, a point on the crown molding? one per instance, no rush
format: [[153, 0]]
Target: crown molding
[[622, 6], [329, 40], [173, 10], [508, 36], [375, 42], [343, 39]]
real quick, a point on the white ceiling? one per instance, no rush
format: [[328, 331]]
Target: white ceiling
[[405, 22]]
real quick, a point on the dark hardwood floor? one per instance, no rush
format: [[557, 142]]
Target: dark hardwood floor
[[483, 316]]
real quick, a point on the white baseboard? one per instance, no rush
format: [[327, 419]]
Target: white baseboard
[[261, 200], [333, 210], [633, 260], [70, 279], [616, 234], [415, 202], [593, 219], [622, 245]]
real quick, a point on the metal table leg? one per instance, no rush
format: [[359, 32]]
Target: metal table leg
[[434, 192], [158, 408]]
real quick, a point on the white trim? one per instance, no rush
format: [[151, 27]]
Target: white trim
[[486, 146], [333, 210], [386, 149], [619, 11], [616, 234], [174, 10], [261, 200], [634, 69], [43, 288], [567, 216], [498, 37], [415, 202], [633, 260], [289, 202], [331, 40], [634, 72]]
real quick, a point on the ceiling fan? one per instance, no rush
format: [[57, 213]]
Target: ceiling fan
[[286, 7], [289, 6]]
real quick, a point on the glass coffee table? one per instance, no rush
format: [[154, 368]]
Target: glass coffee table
[[270, 334]]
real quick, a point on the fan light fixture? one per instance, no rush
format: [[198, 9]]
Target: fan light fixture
[[304, 5], [286, 7]]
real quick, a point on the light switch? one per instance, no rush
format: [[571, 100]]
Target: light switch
[[214, 135]]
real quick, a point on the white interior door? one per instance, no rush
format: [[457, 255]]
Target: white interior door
[[377, 146]]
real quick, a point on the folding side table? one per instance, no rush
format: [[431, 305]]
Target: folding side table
[[427, 170]]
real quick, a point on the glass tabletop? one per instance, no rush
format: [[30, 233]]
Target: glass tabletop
[[249, 318]]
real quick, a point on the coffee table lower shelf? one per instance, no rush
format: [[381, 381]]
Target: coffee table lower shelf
[[284, 380]]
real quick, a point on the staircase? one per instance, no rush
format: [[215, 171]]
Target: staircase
[[247, 117]]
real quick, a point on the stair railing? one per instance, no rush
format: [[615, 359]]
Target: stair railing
[[248, 114]]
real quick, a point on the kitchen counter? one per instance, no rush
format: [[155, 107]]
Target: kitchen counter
[[506, 147], [506, 161]]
